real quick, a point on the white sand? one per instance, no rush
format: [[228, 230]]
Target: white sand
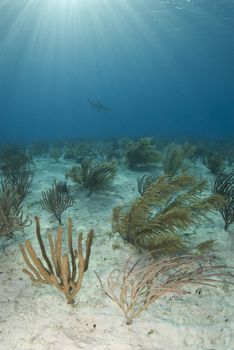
[[38, 318]]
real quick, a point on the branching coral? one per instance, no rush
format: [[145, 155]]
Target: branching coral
[[173, 159], [58, 271], [11, 213], [144, 182], [224, 185], [213, 162], [57, 199], [138, 285], [169, 204], [141, 152], [91, 176], [17, 170]]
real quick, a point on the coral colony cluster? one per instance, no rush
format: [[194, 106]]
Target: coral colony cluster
[[170, 200]]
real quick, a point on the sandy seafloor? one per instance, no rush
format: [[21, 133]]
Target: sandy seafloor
[[38, 318]]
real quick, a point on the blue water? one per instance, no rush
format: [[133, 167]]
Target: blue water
[[165, 68]]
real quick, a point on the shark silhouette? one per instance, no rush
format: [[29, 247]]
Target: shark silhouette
[[98, 106]]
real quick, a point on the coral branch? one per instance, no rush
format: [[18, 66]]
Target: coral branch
[[65, 278]]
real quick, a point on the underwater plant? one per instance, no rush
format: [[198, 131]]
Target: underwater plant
[[173, 159], [11, 213], [17, 170], [213, 162], [112, 150], [141, 153], [138, 285], [169, 205], [11, 159], [93, 177], [57, 199], [58, 271], [189, 150], [224, 186], [144, 182]]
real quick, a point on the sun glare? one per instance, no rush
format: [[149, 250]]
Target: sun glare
[[52, 22]]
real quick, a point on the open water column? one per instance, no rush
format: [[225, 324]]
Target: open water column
[[160, 67]]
